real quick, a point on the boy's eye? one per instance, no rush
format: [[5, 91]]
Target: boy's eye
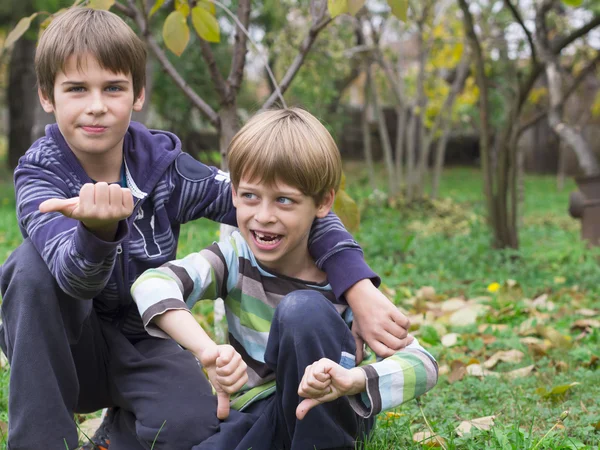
[[76, 89], [248, 195], [285, 200], [114, 89]]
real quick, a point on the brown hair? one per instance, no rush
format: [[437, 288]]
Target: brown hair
[[290, 145], [102, 34]]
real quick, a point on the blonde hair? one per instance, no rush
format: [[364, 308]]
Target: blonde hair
[[288, 145], [101, 34]]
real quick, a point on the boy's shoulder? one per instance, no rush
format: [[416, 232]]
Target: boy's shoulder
[[44, 150]]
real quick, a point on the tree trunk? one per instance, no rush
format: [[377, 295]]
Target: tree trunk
[[440, 155], [22, 100], [384, 137], [410, 156], [366, 131], [562, 167], [421, 171], [400, 145]]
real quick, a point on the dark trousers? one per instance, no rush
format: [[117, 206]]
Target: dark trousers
[[306, 327], [65, 359]]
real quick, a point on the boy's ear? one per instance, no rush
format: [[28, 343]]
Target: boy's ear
[[326, 204], [234, 196], [138, 103], [45, 102]]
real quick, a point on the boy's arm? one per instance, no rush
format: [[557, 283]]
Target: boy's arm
[[179, 284], [80, 261], [397, 379]]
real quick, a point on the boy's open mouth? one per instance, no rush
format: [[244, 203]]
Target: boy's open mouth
[[266, 238]]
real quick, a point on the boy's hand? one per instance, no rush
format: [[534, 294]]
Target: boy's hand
[[377, 321], [99, 207], [226, 372], [325, 381]]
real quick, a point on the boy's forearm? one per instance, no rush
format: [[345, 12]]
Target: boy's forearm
[[183, 329]]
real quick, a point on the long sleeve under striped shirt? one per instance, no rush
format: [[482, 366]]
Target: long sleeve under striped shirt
[[230, 271]]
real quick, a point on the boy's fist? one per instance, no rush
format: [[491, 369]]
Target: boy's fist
[[99, 206], [325, 381], [227, 373]]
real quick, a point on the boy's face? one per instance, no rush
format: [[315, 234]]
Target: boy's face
[[275, 221], [93, 108]]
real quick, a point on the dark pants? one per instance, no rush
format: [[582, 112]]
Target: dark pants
[[306, 328], [65, 359]]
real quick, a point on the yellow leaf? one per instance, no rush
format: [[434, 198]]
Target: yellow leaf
[[176, 32], [427, 439], [101, 4], [49, 19], [596, 105], [337, 7], [156, 7], [557, 339], [559, 390], [19, 30], [399, 9], [209, 6], [205, 24], [343, 182], [347, 210], [183, 7], [354, 6]]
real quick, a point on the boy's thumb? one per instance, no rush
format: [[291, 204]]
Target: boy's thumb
[[62, 205], [222, 405], [305, 406]]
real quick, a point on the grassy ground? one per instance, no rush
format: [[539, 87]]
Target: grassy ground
[[541, 299]]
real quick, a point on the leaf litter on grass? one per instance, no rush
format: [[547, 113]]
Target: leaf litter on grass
[[507, 337]]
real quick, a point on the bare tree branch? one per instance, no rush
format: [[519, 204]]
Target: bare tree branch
[[293, 69], [236, 73], [215, 74], [517, 15], [160, 55], [583, 74]]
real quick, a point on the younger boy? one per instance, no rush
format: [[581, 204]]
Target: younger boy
[[284, 321], [99, 201]]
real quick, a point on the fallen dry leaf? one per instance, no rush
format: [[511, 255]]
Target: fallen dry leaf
[[444, 369], [542, 302], [481, 423], [519, 373], [477, 370], [463, 317], [458, 370], [492, 327], [428, 439], [510, 356], [587, 312], [450, 340], [558, 340], [452, 304], [586, 323], [488, 339], [426, 292]]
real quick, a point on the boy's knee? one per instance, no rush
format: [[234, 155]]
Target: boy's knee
[[304, 309], [25, 267]]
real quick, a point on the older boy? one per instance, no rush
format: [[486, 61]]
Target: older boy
[[281, 311], [100, 200]]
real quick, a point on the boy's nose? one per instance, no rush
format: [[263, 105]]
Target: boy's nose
[[264, 214], [97, 105]]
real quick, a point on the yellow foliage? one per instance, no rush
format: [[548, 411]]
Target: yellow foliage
[[537, 95], [596, 105]]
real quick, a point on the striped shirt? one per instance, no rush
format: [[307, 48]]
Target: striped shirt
[[229, 270]]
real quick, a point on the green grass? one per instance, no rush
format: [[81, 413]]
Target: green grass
[[447, 246]]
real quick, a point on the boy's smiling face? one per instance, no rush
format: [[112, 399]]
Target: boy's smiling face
[[92, 107], [275, 222]]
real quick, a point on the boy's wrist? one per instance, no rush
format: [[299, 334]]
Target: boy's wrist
[[359, 381], [104, 231], [360, 290]]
